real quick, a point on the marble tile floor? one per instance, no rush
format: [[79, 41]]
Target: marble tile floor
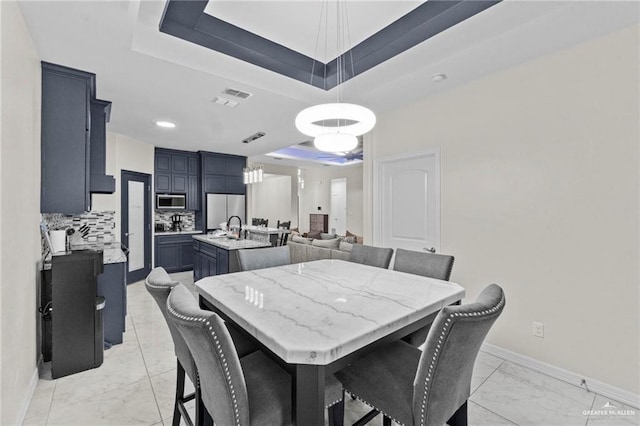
[[135, 385]]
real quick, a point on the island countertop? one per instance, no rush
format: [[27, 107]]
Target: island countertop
[[230, 244], [264, 229]]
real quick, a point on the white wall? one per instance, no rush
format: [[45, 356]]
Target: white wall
[[282, 171], [540, 194], [317, 193], [19, 213], [124, 153], [271, 199]]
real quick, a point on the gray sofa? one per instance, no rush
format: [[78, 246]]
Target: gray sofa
[[301, 252]]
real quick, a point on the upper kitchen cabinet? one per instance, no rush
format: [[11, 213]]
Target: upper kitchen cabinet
[[222, 173], [177, 172], [100, 183], [65, 151]]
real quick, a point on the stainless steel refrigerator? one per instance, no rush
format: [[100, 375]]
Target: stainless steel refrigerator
[[221, 207]]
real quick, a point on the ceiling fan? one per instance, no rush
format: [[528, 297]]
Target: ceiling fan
[[348, 156]]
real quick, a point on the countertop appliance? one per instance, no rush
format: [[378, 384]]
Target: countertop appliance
[[176, 222], [171, 202], [222, 206]]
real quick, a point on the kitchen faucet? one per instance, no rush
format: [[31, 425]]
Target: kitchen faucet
[[239, 229]]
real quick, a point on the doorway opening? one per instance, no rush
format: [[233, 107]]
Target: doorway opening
[[338, 216]]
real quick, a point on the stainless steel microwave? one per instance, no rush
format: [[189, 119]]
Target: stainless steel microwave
[[171, 201]]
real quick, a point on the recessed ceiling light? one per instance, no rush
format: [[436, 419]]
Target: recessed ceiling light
[[439, 77], [165, 124]]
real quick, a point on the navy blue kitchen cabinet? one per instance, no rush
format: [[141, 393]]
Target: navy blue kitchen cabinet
[[174, 252], [222, 173], [100, 182], [112, 285], [209, 260], [65, 139], [177, 172]]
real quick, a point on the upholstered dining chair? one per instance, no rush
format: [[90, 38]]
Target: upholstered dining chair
[[431, 387], [372, 256], [253, 390], [261, 258], [429, 265], [159, 285]]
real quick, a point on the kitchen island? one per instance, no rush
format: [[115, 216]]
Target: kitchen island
[[219, 255], [263, 233]]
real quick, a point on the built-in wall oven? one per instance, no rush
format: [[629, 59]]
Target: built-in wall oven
[[171, 202]]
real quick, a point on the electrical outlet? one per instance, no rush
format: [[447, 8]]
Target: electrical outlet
[[538, 329]]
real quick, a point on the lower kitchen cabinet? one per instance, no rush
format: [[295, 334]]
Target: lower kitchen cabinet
[[112, 285], [210, 260], [174, 252]]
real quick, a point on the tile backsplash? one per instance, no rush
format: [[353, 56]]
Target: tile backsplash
[[101, 225], [188, 218]]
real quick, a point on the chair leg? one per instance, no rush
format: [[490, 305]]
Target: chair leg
[[336, 413], [179, 395], [386, 421], [459, 418]]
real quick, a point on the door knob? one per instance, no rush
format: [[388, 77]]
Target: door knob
[[431, 250]]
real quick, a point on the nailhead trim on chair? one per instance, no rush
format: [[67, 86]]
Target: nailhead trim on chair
[[434, 359], [224, 361], [377, 409]]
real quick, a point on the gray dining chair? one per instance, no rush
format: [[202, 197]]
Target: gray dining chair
[[430, 387], [261, 258], [372, 256], [426, 264], [159, 285], [253, 390]]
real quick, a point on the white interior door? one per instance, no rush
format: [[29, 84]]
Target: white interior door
[[408, 203], [338, 217], [136, 225]]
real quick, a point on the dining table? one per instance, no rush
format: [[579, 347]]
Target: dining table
[[315, 318]]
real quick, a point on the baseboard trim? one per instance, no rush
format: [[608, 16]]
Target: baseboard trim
[[27, 399], [604, 389]]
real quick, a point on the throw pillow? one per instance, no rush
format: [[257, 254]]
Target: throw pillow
[[358, 237], [350, 240], [345, 246], [301, 240], [330, 244], [314, 235], [324, 236]]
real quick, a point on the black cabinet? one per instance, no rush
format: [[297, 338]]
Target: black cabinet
[[177, 172], [174, 252], [76, 330], [100, 182], [65, 138]]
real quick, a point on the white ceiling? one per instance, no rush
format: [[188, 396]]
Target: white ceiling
[[151, 76]]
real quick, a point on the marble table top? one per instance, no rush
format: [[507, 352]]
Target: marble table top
[[317, 312], [230, 244]]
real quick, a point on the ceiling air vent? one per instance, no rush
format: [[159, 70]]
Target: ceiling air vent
[[224, 102], [253, 137], [237, 93]]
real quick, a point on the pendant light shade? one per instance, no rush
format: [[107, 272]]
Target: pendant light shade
[[335, 142], [335, 126]]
